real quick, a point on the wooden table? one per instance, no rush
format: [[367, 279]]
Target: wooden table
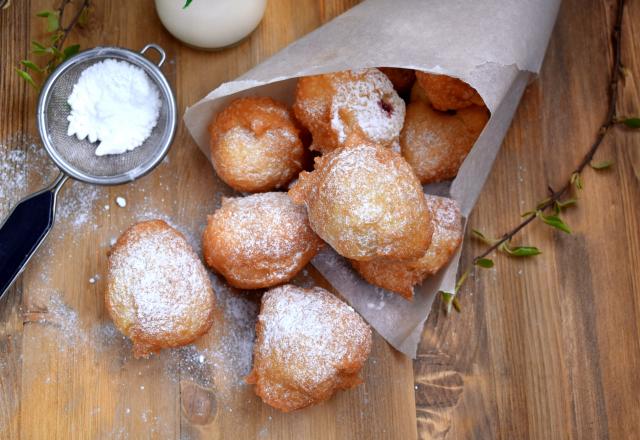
[[544, 348]]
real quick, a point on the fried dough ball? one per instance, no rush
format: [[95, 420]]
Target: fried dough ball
[[401, 276], [446, 92], [402, 79], [309, 344], [343, 108], [259, 241], [158, 292], [255, 145], [435, 143], [417, 94], [366, 203]]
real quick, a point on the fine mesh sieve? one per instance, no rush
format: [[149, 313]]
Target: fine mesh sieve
[[29, 222], [76, 157]]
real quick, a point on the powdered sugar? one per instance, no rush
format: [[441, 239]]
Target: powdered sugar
[[76, 204], [157, 284], [402, 275], [271, 159], [376, 205], [222, 358], [24, 166], [256, 217], [436, 143], [447, 232], [59, 315], [372, 105], [116, 103], [259, 239], [308, 336]]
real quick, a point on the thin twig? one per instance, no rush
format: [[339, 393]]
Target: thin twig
[[609, 121], [61, 10], [66, 30]]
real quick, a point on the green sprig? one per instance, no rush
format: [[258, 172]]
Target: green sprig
[[483, 238], [554, 221], [514, 251], [605, 164], [449, 298], [27, 77], [576, 180], [485, 263], [519, 251], [53, 51], [632, 122]]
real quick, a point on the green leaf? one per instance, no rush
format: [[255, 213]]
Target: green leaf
[[70, 51], [44, 14], [601, 165], [555, 221], [480, 236], [84, 17], [524, 251], [187, 3], [24, 75], [31, 65], [55, 52], [561, 204], [625, 71], [456, 305], [632, 122], [53, 24], [485, 263], [447, 299], [461, 280], [37, 48], [56, 36], [576, 180], [520, 251]]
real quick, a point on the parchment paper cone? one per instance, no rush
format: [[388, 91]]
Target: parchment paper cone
[[494, 45]]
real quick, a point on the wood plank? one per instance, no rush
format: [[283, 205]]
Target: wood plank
[[83, 382], [78, 379], [548, 347], [12, 122]]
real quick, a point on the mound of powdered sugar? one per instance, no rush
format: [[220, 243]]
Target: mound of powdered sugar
[[116, 103]]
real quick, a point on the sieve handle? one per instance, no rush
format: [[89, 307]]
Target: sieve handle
[[163, 55], [24, 230]]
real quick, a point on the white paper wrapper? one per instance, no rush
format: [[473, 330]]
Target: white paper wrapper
[[494, 45]]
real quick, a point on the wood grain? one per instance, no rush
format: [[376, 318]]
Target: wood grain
[[14, 110], [66, 372], [548, 348]]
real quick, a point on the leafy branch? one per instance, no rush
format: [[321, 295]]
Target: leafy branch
[[549, 210], [54, 50]]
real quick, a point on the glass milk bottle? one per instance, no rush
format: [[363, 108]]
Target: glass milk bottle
[[210, 24]]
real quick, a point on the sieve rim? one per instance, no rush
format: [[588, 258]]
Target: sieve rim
[[159, 79]]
